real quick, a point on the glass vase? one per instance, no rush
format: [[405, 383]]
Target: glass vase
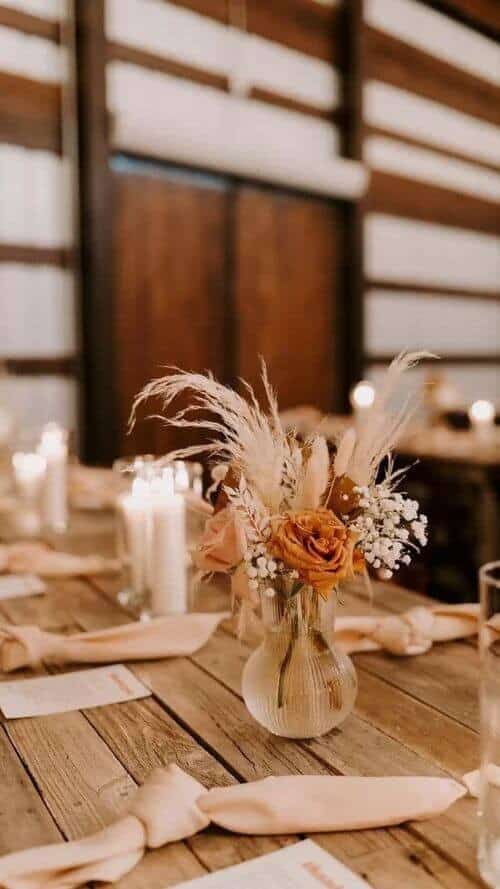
[[296, 683]]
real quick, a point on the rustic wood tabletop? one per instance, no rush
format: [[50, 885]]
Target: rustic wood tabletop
[[67, 775]]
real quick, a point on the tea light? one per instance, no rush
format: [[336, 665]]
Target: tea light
[[29, 472], [168, 547], [136, 511], [362, 396], [54, 498], [482, 418]]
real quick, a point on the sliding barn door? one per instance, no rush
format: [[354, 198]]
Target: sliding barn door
[[170, 258], [286, 293]]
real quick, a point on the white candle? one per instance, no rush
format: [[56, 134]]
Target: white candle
[[136, 511], [362, 396], [29, 472], [181, 476], [168, 548], [482, 418], [54, 501]]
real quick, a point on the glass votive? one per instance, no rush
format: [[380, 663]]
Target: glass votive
[[133, 536], [489, 796]]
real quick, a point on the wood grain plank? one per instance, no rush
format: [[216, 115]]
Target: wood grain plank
[[407, 67], [414, 199]]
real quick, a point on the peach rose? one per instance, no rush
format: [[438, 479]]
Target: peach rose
[[319, 546], [223, 544]]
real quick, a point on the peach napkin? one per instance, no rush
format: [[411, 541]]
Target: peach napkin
[[412, 632], [26, 557], [172, 636], [172, 805]]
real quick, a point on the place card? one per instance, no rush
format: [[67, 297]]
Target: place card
[[304, 865], [70, 691], [15, 586]]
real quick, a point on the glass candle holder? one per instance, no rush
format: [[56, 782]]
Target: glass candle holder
[[53, 448], [489, 797]]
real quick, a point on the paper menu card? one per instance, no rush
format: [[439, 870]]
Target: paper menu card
[[303, 865], [14, 586], [70, 691]]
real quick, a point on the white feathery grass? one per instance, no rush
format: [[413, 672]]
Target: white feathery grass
[[345, 449], [381, 429], [314, 477], [244, 435]]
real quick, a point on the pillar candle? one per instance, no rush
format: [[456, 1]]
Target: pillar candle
[[54, 499], [168, 548], [29, 472], [136, 512]]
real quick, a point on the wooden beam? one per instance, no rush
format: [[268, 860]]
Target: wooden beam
[[350, 329], [57, 256], [61, 366], [407, 67], [428, 146], [99, 395], [482, 15], [29, 24], [428, 290], [413, 199], [462, 358], [30, 112]]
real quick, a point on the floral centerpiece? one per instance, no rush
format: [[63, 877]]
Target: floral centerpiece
[[291, 524]]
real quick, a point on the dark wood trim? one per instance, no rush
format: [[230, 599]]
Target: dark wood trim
[[413, 199], [29, 24], [98, 369], [61, 366], [214, 9], [429, 290], [482, 15], [471, 360], [350, 335], [428, 146], [57, 256], [399, 64], [118, 52], [30, 112]]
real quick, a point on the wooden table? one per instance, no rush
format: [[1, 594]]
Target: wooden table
[[70, 774]]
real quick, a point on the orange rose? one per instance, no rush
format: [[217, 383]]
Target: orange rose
[[223, 544], [317, 545]]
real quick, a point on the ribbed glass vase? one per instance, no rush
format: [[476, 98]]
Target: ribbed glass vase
[[296, 683]]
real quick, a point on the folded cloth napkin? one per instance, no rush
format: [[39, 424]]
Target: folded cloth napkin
[[26, 557], [172, 805], [172, 636], [412, 632]]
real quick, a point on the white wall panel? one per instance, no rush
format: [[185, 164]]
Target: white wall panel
[[41, 399], [407, 250], [472, 382], [392, 156], [402, 112], [437, 34], [47, 9], [32, 57], [248, 60], [37, 311], [451, 325], [35, 205]]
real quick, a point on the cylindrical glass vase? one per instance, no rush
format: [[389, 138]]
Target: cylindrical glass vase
[[489, 797], [296, 683]]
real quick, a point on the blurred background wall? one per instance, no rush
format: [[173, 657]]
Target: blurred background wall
[[216, 216]]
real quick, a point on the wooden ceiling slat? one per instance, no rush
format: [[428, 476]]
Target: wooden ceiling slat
[[30, 112], [399, 196], [29, 24], [399, 64], [61, 365], [482, 15], [428, 290], [18, 253], [456, 358], [428, 146]]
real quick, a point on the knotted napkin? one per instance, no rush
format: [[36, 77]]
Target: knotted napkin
[[172, 805], [38, 558], [412, 632], [172, 636]]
